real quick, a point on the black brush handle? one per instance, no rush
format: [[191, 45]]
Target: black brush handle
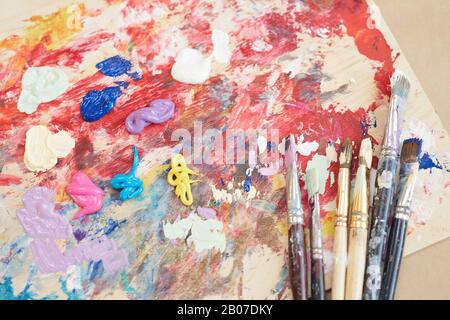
[[394, 254], [317, 279], [297, 261], [382, 208]]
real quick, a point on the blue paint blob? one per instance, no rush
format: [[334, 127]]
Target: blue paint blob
[[427, 162], [97, 103], [117, 66], [130, 185], [247, 183]]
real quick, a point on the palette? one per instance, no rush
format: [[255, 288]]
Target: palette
[[317, 69]]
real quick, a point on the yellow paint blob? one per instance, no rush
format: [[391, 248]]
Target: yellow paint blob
[[179, 178]]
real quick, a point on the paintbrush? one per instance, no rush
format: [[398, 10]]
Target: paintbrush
[[409, 167], [297, 256], [385, 186], [317, 273], [359, 219], [340, 225]]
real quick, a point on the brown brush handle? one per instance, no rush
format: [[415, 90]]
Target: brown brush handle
[[357, 243], [297, 261]]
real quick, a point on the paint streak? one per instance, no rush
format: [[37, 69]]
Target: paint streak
[[7, 179]]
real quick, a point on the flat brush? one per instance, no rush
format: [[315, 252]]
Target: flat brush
[[317, 273], [409, 167], [296, 248], [340, 225], [385, 186], [359, 219]]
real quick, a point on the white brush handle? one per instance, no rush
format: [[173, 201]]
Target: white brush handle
[[339, 263], [357, 247]]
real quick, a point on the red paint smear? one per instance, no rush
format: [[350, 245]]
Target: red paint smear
[[370, 42], [6, 179]]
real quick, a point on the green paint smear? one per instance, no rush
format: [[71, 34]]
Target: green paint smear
[[7, 292], [126, 284], [263, 205]]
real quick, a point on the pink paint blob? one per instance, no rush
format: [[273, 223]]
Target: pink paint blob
[[40, 221], [85, 194]]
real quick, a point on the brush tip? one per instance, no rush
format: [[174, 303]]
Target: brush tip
[[345, 158], [410, 150], [312, 181], [365, 153], [400, 84]]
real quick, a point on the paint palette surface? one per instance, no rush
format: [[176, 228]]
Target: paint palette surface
[[319, 69]]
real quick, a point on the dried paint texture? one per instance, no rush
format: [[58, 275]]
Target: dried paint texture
[[319, 69], [204, 234]]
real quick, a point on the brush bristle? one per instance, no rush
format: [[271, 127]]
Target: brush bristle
[[365, 153], [400, 85], [410, 150], [345, 158], [312, 182]]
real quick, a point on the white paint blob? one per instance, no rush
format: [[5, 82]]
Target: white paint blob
[[262, 144], [42, 148], [192, 67], [40, 85], [331, 152], [306, 148], [205, 234], [221, 42], [321, 164]]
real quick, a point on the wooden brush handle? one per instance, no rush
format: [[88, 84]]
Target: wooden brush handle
[[317, 279], [297, 261], [339, 263], [356, 263], [393, 258]]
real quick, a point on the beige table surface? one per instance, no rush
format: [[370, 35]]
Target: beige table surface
[[421, 29]]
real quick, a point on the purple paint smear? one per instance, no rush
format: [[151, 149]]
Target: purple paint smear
[[40, 221]]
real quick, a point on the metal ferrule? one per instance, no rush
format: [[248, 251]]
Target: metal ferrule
[[408, 177], [343, 197], [393, 126], [316, 227], [294, 198], [402, 213], [360, 206], [293, 194]]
